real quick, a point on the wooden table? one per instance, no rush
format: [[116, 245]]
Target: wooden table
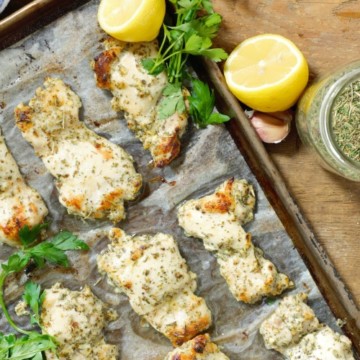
[[331, 205], [328, 34]]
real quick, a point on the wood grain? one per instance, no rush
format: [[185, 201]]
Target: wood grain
[[328, 33], [331, 205]]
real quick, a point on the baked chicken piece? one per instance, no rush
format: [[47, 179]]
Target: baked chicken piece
[[199, 348], [20, 204], [77, 319], [93, 175], [320, 345], [294, 331], [138, 94], [217, 220], [289, 323], [151, 272]]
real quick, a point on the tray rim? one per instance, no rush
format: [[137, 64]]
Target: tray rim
[[250, 146], [329, 282], [32, 17]]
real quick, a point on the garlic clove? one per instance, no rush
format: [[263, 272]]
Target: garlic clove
[[272, 128]]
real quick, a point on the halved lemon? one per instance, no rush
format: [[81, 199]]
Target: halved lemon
[[132, 20], [267, 72]]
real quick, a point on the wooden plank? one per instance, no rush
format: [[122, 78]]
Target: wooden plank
[[327, 32]]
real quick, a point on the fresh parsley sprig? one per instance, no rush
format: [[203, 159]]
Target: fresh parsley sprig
[[33, 298], [27, 347], [196, 25], [53, 251], [171, 102], [202, 101]]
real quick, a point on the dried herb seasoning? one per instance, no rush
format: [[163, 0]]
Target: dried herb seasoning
[[328, 120], [346, 121]]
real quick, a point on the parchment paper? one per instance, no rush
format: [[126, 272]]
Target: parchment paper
[[64, 49]]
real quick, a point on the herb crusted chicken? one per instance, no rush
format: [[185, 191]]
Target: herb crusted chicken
[[20, 204], [152, 273], [93, 176], [199, 348], [290, 321], [322, 344], [138, 94], [294, 331], [76, 319], [217, 220]]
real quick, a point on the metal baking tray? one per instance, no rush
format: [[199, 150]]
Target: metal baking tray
[[38, 13]]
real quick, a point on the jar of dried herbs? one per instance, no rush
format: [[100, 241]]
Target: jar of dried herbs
[[328, 120]]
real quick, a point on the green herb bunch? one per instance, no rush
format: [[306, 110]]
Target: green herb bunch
[[195, 27], [31, 344]]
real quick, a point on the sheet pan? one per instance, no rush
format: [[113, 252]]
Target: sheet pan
[[64, 49]]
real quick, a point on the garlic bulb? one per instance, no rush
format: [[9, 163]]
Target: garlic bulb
[[272, 128]]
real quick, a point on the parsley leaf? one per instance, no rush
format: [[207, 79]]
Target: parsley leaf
[[65, 240], [53, 250], [151, 67], [29, 235], [47, 252], [186, 4], [26, 347], [195, 44], [206, 26], [171, 102], [207, 6], [16, 262], [33, 297], [202, 101], [216, 54]]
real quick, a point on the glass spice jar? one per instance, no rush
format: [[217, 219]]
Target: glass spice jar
[[328, 120]]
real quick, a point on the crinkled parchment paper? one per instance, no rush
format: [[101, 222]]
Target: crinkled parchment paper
[[64, 49]]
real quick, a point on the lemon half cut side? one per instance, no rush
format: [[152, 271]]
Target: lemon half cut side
[[267, 72], [132, 20]]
